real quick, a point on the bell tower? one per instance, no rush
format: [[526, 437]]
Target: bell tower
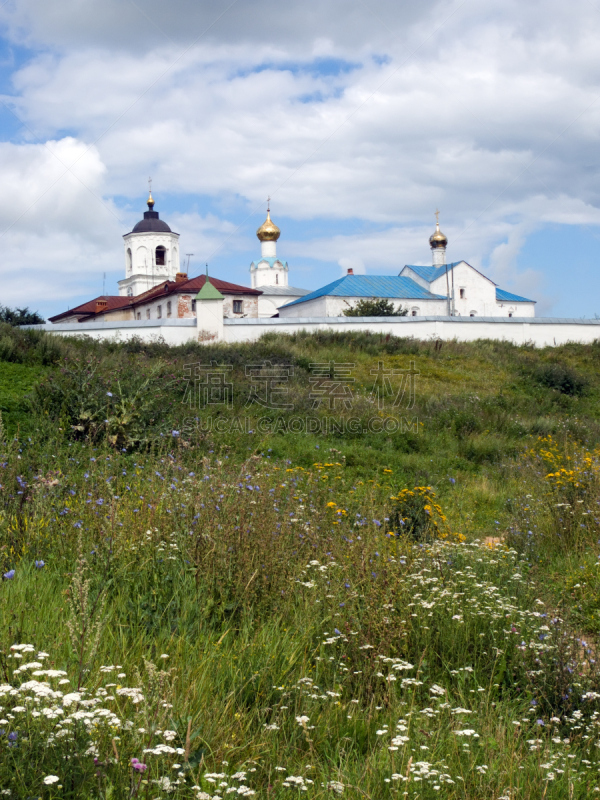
[[151, 253]]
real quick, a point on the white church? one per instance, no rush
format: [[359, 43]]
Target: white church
[[155, 287]]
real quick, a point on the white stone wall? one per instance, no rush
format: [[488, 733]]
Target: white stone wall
[[479, 293], [269, 304], [335, 307], [312, 308], [539, 332]]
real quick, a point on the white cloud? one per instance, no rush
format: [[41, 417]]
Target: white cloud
[[493, 117]]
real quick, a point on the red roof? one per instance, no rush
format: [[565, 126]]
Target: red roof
[[89, 308], [162, 290]]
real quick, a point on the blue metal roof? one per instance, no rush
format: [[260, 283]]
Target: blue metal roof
[[429, 274], [270, 261], [389, 286], [507, 297]]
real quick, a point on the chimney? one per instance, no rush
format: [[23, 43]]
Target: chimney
[[180, 277], [101, 306], [350, 271]]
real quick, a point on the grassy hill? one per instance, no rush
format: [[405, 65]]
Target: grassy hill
[[313, 566]]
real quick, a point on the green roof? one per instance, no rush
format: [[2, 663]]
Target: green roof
[[209, 292]]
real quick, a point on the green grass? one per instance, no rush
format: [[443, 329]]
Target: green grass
[[245, 585], [16, 381]]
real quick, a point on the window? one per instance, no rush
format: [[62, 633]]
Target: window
[[276, 278], [169, 309], [147, 313], [462, 294], [160, 256], [510, 313], [472, 313], [129, 291], [129, 261], [237, 306], [193, 305], [159, 311], [414, 312], [138, 315]]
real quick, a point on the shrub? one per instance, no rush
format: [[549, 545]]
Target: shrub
[[416, 514], [374, 307], [561, 378]]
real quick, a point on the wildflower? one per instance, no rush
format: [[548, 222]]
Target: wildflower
[[12, 737], [109, 394], [137, 765], [9, 575], [50, 779], [40, 564], [336, 786]]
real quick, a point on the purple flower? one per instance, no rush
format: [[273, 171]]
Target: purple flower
[[175, 433], [12, 737], [137, 765], [109, 394], [40, 564], [540, 722], [452, 481], [9, 575]]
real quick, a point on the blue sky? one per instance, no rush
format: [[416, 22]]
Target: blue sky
[[357, 119]]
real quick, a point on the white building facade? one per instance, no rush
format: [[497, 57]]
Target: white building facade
[[151, 254], [453, 290]]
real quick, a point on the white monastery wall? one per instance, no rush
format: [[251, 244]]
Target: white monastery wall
[[537, 331]]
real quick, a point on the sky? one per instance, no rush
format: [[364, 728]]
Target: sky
[[358, 119]]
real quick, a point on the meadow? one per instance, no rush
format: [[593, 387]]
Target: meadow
[[317, 566]]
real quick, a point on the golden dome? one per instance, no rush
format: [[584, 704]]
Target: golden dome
[[268, 231], [437, 239], [150, 201]]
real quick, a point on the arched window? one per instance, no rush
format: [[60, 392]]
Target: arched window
[[472, 313], [414, 312], [129, 261], [129, 291], [161, 256]]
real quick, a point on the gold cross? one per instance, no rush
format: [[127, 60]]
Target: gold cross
[[268, 203], [437, 217], [150, 185]]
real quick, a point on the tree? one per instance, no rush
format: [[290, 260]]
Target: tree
[[20, 316], [375, 307]]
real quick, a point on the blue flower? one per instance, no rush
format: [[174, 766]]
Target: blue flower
[[175, 433], [109, 394], [336, 631], [12, 737], [40, 564], [9, 575]]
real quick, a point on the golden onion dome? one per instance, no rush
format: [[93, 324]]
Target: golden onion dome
[[438, 239], [150, 201], [268, 231]]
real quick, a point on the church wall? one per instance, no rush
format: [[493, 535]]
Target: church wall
[[311, 308], [250, 305], [143, 246], [479, 292], [506, 309]]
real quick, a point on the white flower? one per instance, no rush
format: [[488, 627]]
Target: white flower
[[336, 786], [302, 720], [49, 779]]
